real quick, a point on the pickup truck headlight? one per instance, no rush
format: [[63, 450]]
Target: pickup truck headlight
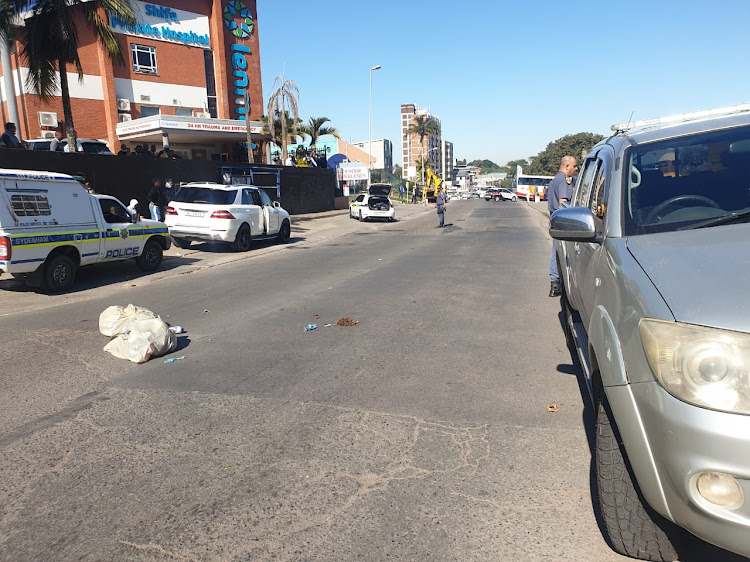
[[703, 366]]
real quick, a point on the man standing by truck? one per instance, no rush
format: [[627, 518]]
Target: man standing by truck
[[559, 191]]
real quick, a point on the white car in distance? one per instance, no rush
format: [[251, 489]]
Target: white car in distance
[[376, 203], [236, 214]]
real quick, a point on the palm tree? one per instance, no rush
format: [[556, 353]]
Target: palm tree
[[276, 136], [316, 128], [423, 125], [50, 42], [426, 164], [287, 92]]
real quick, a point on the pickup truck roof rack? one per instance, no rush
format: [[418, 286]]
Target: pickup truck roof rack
[[680, 117]]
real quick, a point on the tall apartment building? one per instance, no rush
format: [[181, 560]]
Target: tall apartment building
[[412, 151], [382, 153], [447, 156]]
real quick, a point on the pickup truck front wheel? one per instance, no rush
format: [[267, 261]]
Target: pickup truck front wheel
[[59, 273], [633, 528], [150, 258]]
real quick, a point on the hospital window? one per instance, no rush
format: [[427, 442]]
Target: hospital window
[[144, 59], [149, 110]]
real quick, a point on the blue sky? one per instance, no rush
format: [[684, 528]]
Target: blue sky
[[506, 78]]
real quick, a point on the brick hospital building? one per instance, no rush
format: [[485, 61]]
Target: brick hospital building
[[189, 67]]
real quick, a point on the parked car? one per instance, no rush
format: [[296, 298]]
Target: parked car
[[50, 227], [236, 214], [500, 194], [375, 204], [652, 255], [89, 146]]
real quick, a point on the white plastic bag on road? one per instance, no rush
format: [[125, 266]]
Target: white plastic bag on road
[[145, 335], [116, 320]]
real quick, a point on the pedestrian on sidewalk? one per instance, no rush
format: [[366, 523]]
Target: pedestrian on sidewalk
[[157, 200], [440, 202], [559, 191]]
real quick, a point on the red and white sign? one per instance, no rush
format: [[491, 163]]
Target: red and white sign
[[211, 125], [354, 173], [241, 128]]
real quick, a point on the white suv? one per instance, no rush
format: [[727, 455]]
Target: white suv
[[225, 213]]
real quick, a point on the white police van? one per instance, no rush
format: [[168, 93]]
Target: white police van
[[50, 226]]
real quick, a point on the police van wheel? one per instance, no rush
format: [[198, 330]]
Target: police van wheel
[[150, 258], [59, 274]]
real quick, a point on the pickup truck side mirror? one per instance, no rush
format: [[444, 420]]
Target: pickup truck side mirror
[[134, 216], [276, 204], [573, 224]]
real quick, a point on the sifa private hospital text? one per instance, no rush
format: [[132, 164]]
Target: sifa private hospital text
[[164, 32]]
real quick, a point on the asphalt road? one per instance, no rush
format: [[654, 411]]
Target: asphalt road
[[420, 433]]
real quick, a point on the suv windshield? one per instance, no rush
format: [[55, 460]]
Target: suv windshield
[[690, 182], [206, 195]]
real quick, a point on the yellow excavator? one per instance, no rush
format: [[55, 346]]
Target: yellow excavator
[[431, 192]]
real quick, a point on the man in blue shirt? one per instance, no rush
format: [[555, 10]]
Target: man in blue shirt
[[440, 204], [560, 190]]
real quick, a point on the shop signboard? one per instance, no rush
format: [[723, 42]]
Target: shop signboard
[[161, 23], [242, 47], [354, 173]]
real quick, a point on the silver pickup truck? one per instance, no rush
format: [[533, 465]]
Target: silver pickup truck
[[654, 258]]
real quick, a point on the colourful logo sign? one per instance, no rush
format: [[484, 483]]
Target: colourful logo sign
[[238, 20]]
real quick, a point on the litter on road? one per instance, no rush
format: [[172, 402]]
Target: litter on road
[[346, 321], [311, 327], [173, 359], [137, 333], [552, 408]]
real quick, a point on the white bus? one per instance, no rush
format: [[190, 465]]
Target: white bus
[[528, 187]]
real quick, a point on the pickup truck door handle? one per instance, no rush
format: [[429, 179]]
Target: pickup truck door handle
[[577, 248]]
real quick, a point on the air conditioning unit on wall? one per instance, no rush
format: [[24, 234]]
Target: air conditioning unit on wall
[[47, 134], [123, 105], [47, 119], [202, 114], [125, 117]]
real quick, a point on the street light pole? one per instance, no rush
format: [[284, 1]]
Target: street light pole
[[369, 147]]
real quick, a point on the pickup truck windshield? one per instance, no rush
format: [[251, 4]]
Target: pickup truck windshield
[[685, 182], [206, 196]]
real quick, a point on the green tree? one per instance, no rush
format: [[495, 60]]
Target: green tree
[[50, 42], [315, 128], [547, 162], [423, 126], [486, 165], [276, 136], [428, 165], [287, 93]]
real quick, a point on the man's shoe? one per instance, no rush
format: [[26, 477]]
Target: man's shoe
[[554, 290]]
